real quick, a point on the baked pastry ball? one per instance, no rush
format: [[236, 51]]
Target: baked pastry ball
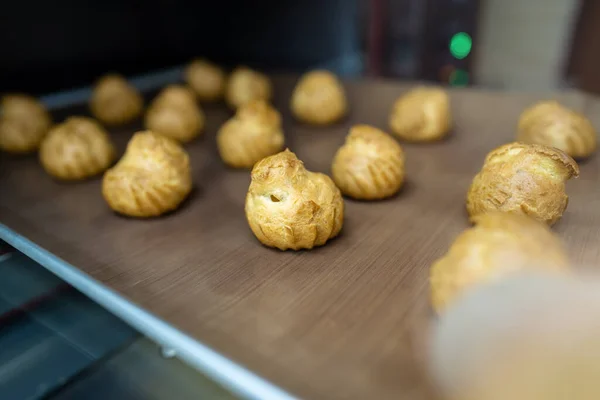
[[498, 245], [289, 207], [422, 115], [251, 135], [174, 113], [114, 101], [152, 178], [206, 79], [319, 98], [370, 164], [24, 122], [523, 179], [551, 124], [76, 149], [246, 85]]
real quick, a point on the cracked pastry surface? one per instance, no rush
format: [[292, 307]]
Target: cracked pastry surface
[[422, 115], [206, 79], [115, 101], [153, 177], [77, 149], [498, 245], [552, 124], [319, 98], [289, 207], [24, 122], [370, 164], [246, 85], [251, 135], [523, 179], [174, 113]]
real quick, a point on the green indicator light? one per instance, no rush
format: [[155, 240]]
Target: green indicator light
[[460, 45], [459, 77]]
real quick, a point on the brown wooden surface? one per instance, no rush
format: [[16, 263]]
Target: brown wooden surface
[[345, 321]]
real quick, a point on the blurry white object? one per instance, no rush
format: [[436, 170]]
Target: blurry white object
[[532, 337]]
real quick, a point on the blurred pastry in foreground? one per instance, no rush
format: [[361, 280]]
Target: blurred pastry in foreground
[[246, 85], [24, 122], [319, 98], [497, 246], [523, 179], [77, 149], [206, 79], [115, 101], [533, 336], [251, 135], [175, 113], [153, 177], [370, 164], [552, 124], [288, 207], [422, 115]]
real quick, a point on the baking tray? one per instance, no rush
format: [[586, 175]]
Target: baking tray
[[348, 320]]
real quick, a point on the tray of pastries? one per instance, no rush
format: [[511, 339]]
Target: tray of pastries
[[305, 226]]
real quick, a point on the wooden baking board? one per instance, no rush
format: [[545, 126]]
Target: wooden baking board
[[345, 321]]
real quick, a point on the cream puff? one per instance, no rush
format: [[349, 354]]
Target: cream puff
[[174, 113], [551, 124], [523, 179], [498, 246], [319, 98], [115, 101], [289, 207], [422, 115], [370, 164], [77, 149], [252, 134], [246, 85], [152, 178], [24, 122], [206, 79]]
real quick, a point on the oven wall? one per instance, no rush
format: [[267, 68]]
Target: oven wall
[[52, 45]]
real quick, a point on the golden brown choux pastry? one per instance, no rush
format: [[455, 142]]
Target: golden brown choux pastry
[[498, 245], [370, 165], [523, 179], [174, 113], [245, 85], [175, 95], [422, 115], [289, 207], [206, 79], [114, 101], [76, 149], [319, 98], [251, 135], [551, 124], [24, 122], [152, 178]]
